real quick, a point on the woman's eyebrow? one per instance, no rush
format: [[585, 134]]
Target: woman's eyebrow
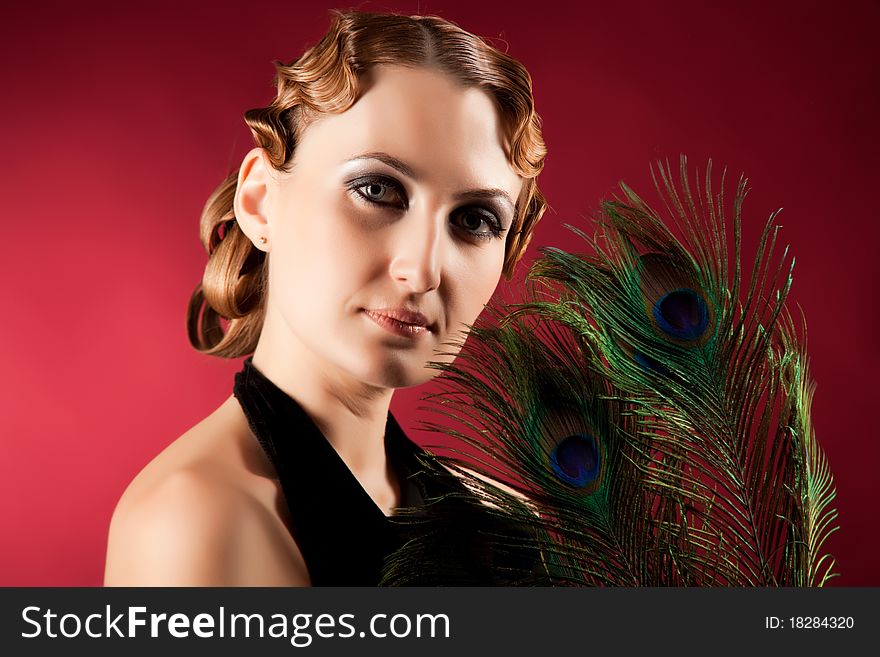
[[492, 193], [390, 160]]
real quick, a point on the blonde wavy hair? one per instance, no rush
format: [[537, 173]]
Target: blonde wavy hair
[[226, 310]]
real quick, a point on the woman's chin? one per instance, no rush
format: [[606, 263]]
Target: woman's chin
[[396, 374]]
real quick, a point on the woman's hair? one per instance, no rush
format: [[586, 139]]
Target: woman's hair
[[325, 80]]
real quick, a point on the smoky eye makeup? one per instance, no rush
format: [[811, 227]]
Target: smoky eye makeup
[[378, 190], [471, 218]]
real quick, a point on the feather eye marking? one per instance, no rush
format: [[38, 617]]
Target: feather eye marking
[[576, 460], [683, 314], [674, 299]]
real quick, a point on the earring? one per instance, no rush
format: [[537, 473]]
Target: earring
[[263, 240]]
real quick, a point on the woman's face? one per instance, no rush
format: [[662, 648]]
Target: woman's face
[[387, 236]]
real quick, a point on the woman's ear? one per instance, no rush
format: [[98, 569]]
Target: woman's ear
[[252, 198]]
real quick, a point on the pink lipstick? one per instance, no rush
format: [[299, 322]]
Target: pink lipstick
[[400, 321]]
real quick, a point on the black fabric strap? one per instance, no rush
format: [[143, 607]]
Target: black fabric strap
[[342, 534]]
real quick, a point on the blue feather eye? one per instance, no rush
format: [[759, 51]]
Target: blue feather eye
[[576, 460], [682, 314]]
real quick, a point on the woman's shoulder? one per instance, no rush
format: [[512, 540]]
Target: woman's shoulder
[[205, 512]]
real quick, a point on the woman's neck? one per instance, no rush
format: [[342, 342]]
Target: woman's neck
[[350, 413]]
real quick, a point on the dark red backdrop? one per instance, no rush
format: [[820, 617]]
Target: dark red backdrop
[[118, 121]]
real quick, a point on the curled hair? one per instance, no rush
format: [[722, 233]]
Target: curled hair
[[227, 308]]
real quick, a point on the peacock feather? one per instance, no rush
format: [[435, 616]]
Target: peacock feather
[[646, 410]]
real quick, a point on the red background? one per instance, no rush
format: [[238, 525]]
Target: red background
[[119, 119]]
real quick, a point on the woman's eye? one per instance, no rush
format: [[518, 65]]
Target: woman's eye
[[380, 192], [478, 223], [375, 191]]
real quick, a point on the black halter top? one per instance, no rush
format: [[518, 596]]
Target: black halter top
[[343, 535]]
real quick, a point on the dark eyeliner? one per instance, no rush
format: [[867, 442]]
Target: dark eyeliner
[[355, 185], [496, 230]]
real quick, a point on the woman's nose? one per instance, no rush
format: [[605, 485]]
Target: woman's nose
[[416, 257]]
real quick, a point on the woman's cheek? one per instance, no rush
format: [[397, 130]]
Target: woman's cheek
[[490, 275]]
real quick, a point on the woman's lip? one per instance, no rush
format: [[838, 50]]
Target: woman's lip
[[402, 314], [393, 325]]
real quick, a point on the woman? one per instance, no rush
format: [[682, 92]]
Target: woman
[[392, 184]]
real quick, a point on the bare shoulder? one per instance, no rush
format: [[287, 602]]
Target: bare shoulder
[[204, 512]]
